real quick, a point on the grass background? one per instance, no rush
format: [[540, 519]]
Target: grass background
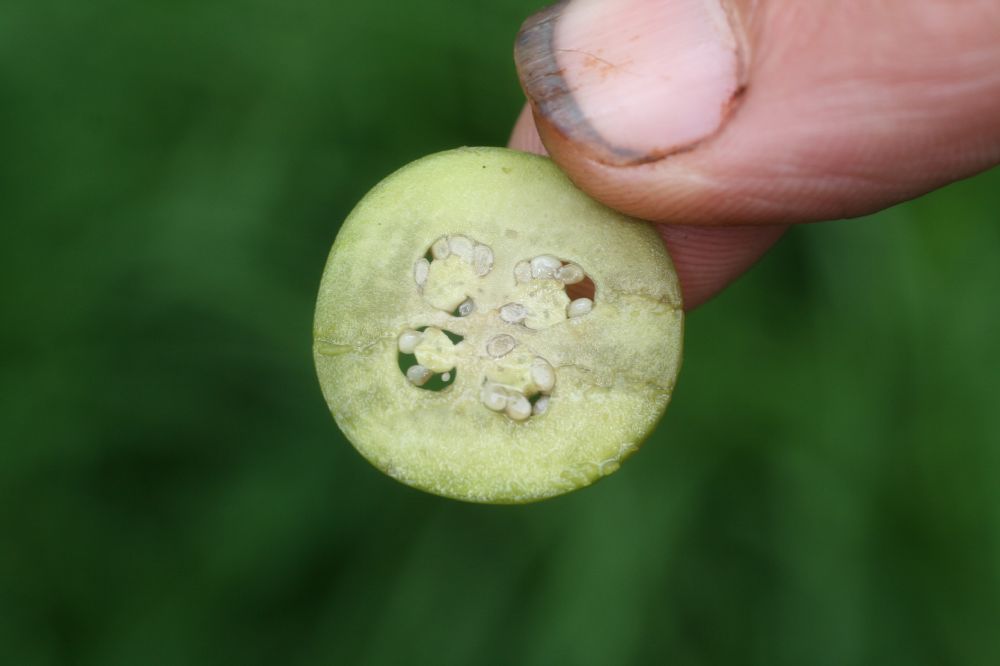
[[824, 489]]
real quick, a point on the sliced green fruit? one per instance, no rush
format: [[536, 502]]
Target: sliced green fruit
[[485, 331]]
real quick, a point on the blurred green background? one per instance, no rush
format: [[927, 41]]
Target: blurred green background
[[824, 489]]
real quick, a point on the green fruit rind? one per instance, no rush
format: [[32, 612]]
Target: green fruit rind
[[616, 366]]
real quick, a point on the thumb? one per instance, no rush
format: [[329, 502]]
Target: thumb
[[763, 111]]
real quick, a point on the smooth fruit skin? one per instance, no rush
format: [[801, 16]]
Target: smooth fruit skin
[[616, 366]]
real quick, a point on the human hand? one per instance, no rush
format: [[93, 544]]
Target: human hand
[[724, 122]]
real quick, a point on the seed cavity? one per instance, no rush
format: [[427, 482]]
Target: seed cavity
[[500, 345], [523, 378], [546, 286], [451, 271], [418, 374], [408, 340], [585, 288], [544, 266], [420, 271], [541, 405], [513, 313], [428, 357], [436, 350], [579, 307]]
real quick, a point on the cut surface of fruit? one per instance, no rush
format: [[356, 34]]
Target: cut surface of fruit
[[453, 346]]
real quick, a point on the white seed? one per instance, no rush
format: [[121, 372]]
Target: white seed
[[518, 407], [544, 266], [461, 246], [482, 260], [570, 274], [420, 271], [543, 374], [500, 345], [494, 397], [446, 377], [522, 271], [466, 307], [439, 250], [540, 405], [418, 374], [579, 307], [408, 340], [513, 313]]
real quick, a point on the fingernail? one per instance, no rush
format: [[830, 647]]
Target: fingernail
[[631, 81]]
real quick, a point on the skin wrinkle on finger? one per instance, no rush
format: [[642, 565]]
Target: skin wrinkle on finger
[[708, 259]]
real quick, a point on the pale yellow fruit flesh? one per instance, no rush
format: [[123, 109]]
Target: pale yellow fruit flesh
[[615, 366]]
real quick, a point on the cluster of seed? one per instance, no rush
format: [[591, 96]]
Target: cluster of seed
[[407, 342], [479, 256], [435, 359], [547, 267], [521, 384], [513, 402]]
